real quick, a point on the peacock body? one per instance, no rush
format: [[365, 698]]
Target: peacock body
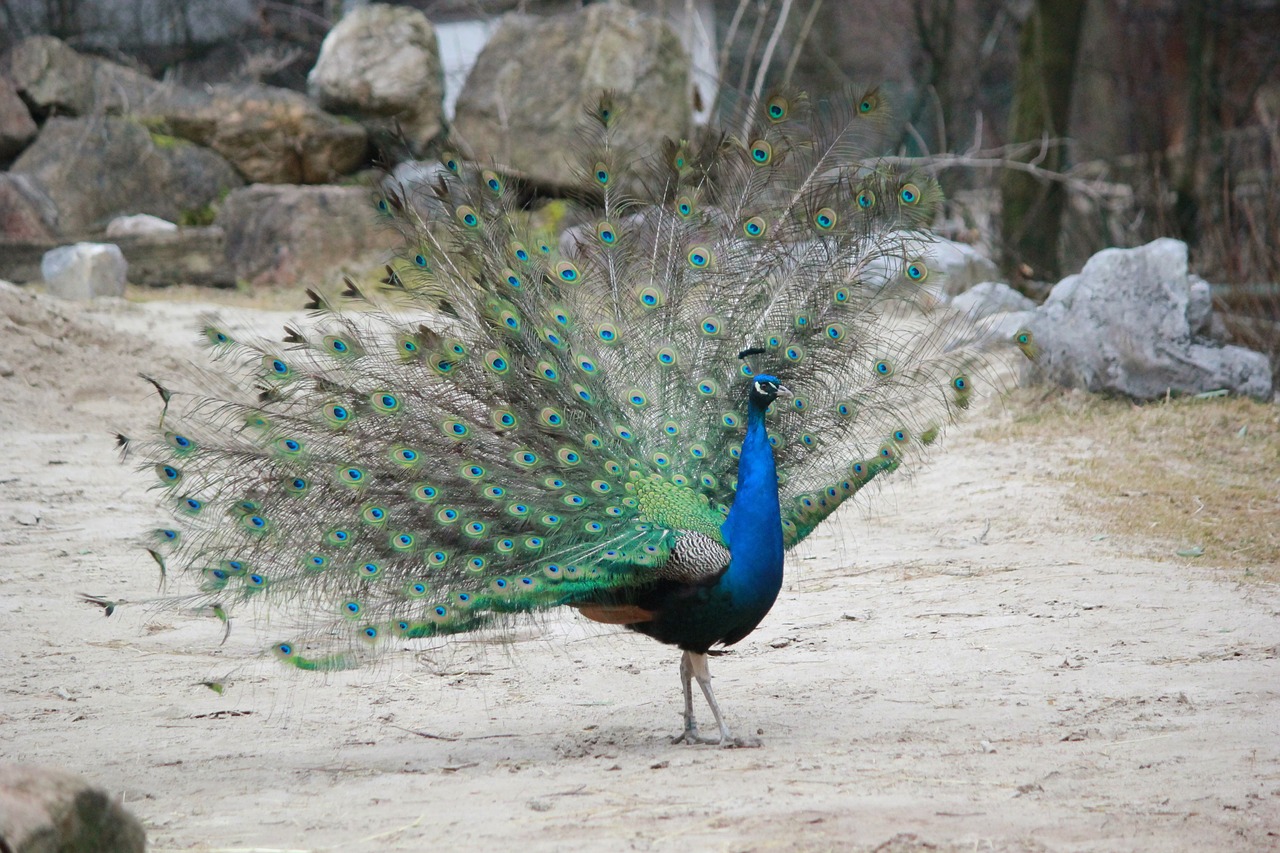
[[636, 420]]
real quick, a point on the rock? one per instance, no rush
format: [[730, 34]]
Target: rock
[[1122, 326], [960, 265], [381, 65], [269, 135], [51, 810], [561, 64], [97, 168], [411, 179], [84, 271], [295, 234], [183, 256], [1199, 305], [17, 127], [1064, 291], [952, 267], [26, 211], [56, 80], [991, 297], [139, 223]]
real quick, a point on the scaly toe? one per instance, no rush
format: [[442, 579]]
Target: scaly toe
[[692, 738]]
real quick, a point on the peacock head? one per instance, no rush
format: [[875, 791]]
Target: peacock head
[[765, 389]]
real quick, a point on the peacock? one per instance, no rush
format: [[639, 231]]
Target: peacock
[[636, 418]]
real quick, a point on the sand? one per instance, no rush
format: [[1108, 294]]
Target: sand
[[964, 665]]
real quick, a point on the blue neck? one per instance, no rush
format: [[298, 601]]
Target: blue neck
[[753, 530]]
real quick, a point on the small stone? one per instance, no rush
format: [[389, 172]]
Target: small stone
[[84, 271], [140, 223]]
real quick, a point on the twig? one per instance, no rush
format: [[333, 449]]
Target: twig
[[1005, 157], [799, 46], [766, 59], [722, 63]]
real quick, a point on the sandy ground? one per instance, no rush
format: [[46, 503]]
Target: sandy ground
[[964, 666]]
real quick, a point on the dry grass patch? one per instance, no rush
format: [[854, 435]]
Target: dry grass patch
[[1197, 478]]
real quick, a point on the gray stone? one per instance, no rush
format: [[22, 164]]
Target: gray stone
[[412, 180], [84, 271], [381, 65], [17, 127], [960, 265], [1064, 291], [991, 297], [1199, 305], [522, 105], [269, 135], [1122, 326], [137, 224], [185, 256], [952, 267], [100, 167], [280, 234], [44, 810], [27, 214], [55, 79]]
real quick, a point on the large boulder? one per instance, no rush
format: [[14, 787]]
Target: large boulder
[[279, 234], [17, 127], [27, 214], [43, 809], [1127, 323], [56, 80], [991, 297], [94, 169], [522, 104], [270, 135], [961, 265], [381, 65]]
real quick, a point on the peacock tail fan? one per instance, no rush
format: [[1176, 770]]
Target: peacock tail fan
[[521, 420]]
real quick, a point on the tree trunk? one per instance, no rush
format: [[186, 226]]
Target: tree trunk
[[1032, 207]]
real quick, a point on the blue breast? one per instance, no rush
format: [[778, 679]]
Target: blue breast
[[697, 617]]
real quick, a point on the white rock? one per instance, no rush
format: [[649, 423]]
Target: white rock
[[84, 270], [1199, 305], [961, 265], [139, 223], [1128, 324], [991, 297]]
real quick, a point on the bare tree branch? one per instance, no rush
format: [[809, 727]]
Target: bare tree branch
[[1006, 157], [805, 29], [767, 58]]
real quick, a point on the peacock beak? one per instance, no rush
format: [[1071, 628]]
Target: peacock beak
[[783, 391]]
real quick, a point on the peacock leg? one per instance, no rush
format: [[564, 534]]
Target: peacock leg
[[690, 733], [695, 666]]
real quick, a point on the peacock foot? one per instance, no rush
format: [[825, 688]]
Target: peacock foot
[[692, 737], [694, 666]]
